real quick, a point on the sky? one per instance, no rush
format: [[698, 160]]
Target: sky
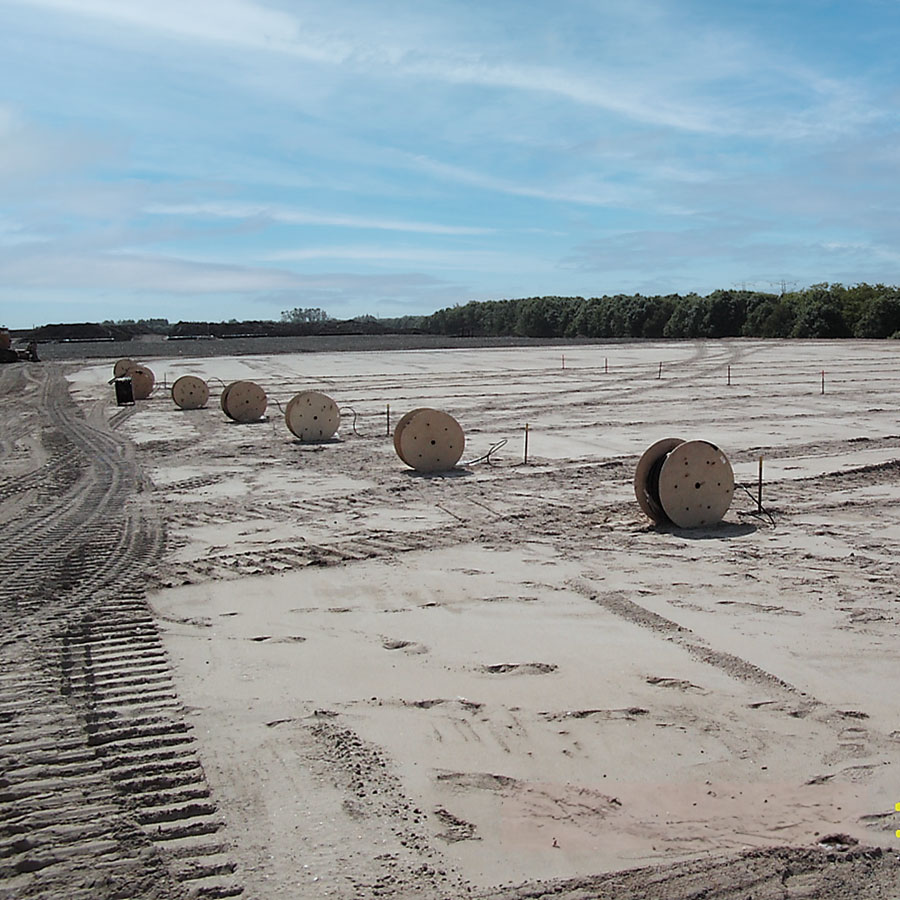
[[232, 159]]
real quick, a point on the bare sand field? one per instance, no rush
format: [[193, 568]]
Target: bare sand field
[[501, 682]]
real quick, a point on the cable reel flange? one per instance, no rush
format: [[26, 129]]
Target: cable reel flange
[[190, 392], [142, 381], [696, 484], [431, 441], [398, 430], [121, 367], [312, 416], [244, 401], [646, 488]]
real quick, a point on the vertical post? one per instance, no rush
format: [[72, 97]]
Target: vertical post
[[606, 365], [659, 373], [526, 443], [564, 360], [388, 418], [759, 487], [823, 381], [729, 376]]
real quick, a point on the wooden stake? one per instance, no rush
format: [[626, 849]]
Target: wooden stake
[[526, 443], [759, 487], [388, 417], [564, 360], [659, 374], [729, 376], [823, 381], [606, 364]]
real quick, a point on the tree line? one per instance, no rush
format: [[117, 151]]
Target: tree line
[[819, 311]]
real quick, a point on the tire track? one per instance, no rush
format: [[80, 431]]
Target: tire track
[[101, 791]]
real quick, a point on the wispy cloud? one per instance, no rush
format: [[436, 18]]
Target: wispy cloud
[[289, 216], [591, 191], [128, 272], [668, 77], [409, 256]]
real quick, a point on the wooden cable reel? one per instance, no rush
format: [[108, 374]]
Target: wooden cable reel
[[190, 392], [121, 367], [429, 440], [312, 416], [686, 483], [223, 399], [398, 430], [142, 381], [244, 401]]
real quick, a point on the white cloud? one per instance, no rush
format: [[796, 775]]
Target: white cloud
[[652, 67], [290, 216], [232, 22], [588, 190], [135, 272], [411, 256]]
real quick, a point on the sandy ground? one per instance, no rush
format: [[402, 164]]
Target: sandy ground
[[446, 686]]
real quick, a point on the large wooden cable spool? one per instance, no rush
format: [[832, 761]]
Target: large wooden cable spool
[[244, 401], [398, 430], [686, 483], [312, 416], [223, 398], [121, 367], [646, 489], [429, 440], [190, 392], [142, 381]]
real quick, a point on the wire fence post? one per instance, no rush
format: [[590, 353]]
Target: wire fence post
[[388, 420], [606, 366], [729, 376], [526, 444], [823, 381], [659, 373]]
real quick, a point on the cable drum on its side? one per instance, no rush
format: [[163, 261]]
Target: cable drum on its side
[[244, 401], [430, 441], [142, 381], [696, 484], [312, 416], [686, 483], [398, 431], [646, 478], [121, 367], [190, 392], [223, 399]]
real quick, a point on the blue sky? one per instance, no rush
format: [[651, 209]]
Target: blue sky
[[216, 159]]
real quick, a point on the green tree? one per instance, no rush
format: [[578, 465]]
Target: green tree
[[879, 317], [768, 316], [297, 315], [819, 314], [688, 319]]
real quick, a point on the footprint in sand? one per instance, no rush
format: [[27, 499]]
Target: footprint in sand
[[534, 668], [406, 646]]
